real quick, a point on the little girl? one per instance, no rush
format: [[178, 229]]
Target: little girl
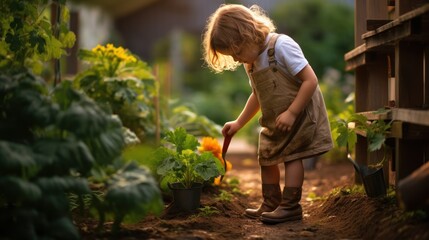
[[285, 89]]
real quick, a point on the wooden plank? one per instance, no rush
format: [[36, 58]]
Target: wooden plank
[[355, 58], [373, 115], [355, 52], [398, 21], [389, 36], [420, 117], [403, 130], [356, 62]]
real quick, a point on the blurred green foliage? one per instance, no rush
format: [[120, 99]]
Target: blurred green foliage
[[323, 29], [27, 36]]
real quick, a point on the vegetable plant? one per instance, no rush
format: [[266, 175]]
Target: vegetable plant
[[376, 131], [59, 143], [181, 162], [56, 144], [122, 84]]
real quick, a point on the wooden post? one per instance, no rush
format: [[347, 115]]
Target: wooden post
[[361, 82], [412, 190], [410, 94]]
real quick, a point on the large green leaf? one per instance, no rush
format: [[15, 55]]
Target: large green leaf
[[181, 139], [376, 141], [63, 184], [16, 159], [83, 119], [18, 189], [63, 228], [62, 155], [131, 190], [208, 166], [169, 164]]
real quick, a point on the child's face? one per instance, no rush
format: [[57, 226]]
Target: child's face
[[247, 53]]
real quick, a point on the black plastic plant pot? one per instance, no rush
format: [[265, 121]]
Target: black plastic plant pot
[[186, 199], [373, 181]]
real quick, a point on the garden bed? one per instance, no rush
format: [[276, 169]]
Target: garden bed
[[345, 213]]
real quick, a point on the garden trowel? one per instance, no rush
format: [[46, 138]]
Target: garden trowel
[[225, 146]]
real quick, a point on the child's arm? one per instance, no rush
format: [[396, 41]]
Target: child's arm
[[249, 110], [309, 84]]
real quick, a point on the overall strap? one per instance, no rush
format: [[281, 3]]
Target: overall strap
[[271, 51]]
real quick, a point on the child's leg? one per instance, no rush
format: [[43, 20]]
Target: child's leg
[[270, 177], [289, 208], [270, 174], [294, 173]]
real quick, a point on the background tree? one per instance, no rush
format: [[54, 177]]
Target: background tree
[[324, 30]]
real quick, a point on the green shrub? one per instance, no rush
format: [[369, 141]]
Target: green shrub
[[55, 144]]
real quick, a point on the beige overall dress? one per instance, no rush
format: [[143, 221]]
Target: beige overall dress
[[276, 89]]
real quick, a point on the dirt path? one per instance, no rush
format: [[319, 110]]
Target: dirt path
[[341, 216]]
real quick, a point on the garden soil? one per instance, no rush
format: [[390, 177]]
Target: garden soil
[[331, 211]]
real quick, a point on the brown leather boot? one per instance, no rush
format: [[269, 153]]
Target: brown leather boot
[[288, 210], [272, 197]]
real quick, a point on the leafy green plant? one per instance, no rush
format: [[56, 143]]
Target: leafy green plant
[[207, 211], [55, 144], [224, 196], [122, 84], [376, 131], [132, 193], [181, 115], [181, 162], [26, 34]]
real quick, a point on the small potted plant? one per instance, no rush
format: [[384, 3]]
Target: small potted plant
[[376, 132], [184, 169]]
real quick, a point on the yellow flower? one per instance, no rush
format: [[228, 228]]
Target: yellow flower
[[114, 53]]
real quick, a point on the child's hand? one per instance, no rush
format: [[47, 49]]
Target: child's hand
[[285, 120], [230, 128]]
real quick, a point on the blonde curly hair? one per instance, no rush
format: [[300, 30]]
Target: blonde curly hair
[[232, 26]]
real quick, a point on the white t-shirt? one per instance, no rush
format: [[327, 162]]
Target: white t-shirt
[[288, 54]]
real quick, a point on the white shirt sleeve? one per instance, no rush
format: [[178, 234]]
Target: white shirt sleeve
[[290, 55]]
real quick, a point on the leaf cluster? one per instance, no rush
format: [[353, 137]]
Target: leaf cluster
[[122, 83], [376, 130], [121, 86], [27, 36], [55, 143], [181, 162]]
